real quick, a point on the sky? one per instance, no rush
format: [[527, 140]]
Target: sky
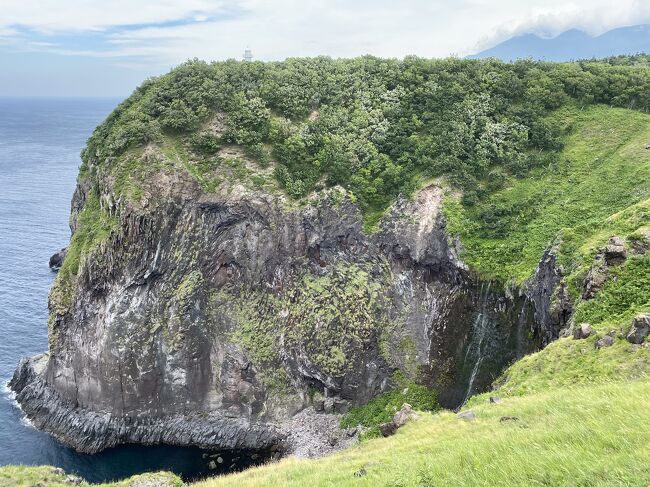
[[107, 47]]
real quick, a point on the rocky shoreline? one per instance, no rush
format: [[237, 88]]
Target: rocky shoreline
[[90, 432]]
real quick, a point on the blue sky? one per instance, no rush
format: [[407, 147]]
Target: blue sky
[[107, 47]]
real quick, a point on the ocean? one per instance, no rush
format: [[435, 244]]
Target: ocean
[[40, 142]]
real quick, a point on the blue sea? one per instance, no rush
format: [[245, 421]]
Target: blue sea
[[40, 142]]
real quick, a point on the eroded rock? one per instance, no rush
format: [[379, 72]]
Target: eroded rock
[[640, 329], [582, 331]]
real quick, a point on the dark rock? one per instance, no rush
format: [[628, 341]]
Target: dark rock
[[360, 473], [387, 429], [582, 331], [89, 432], [606, 341], [341, 407], [508, 418], [351, 432], [640, 329], [152, 315], [328, 405], [73, 479], [467, 415], [495, 400], [56, 261], [319, 405], [596, 278]]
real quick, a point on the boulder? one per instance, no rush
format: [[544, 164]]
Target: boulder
[[467, 415], [387, 429], [341, 406], [495, 400], [56, 261], [615, 252], [403, 415], [606, 341], [582, 331], [640, 329]]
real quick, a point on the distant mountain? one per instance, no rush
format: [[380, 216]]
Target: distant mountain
[[572, 44]]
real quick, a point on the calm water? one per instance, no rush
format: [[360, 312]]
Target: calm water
[[40, 141]]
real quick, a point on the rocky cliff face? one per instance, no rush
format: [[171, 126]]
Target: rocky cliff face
[[209, 318]]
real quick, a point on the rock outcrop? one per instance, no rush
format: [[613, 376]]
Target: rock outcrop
[[56, 261], [209, 318]]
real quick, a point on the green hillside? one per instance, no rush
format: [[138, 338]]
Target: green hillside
[[533, 156]]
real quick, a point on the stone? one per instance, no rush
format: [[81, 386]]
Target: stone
[[328, 405], [351, 432], [615, 252], [219, 460], [360, 473], [606, 341], [467, 415], [508, 418], [640, 329], [212, 464], [403, 415], [341, 406], [582, 331], [57, 471], [495, 400], [73, 479], [56, 261], [319, 405], [596, 278], [387, 429]]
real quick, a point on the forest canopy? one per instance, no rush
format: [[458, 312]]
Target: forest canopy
[[374, 126]]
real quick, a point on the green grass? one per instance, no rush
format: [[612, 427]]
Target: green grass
[[383, 407], [94, 226], [599, 187], [25, 476], [583, 436]]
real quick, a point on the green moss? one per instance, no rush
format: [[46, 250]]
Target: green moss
[[329, 319], [94, 226]]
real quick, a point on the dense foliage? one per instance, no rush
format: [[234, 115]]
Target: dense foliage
[[374, 126], [383, 407]]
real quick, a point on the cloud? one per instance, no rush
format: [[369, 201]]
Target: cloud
[[165, 32]]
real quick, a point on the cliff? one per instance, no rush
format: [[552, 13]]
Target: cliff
[[236, 259]]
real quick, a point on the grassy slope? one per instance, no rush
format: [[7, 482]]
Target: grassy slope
[[599, 188], [579, 437]]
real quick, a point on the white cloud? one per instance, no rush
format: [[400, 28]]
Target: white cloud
[[280, 28]]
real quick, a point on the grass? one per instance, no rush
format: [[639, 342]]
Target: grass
[[382, 408], [599, 187], [581, 436], [26, 476]]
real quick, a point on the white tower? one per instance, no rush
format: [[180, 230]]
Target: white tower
[[248, 55]]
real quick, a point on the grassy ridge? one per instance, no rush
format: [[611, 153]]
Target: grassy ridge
[[599, 187]]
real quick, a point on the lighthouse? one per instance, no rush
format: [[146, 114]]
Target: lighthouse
[[248, 55]]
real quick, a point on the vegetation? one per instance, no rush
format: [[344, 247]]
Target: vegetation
[[329, 320], [582, 436], [376, 127], [383, 407], [24, 476], [537, 155], [599, 186]]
